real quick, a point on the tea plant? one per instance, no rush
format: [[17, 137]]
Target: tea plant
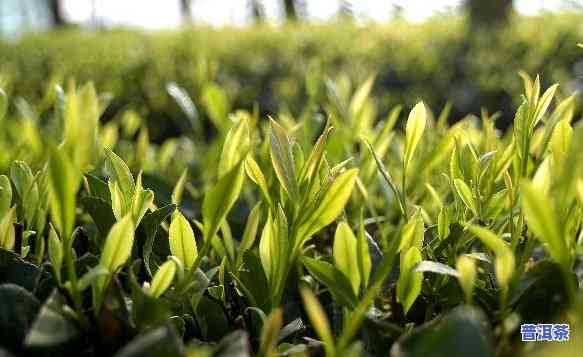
[[291, 236]]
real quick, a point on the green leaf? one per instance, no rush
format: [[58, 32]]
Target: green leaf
[[330, 206], [5, 194], [333, 279], [162, 279], [270, 333], [64, 182], [490, 239], [543, 105], [283, 161], [273, 249], [413, 131], [150, 224], [179, 188], [216, 103], [56, 252], [3, 104], [462, 332], [363, 254], [314, 162], [101, 213], [7, 229], [388, 179], [182, 241], [465, 194], [443, 223], [254, 172], [160, 341], [120, 175], [219, 200], [466, 269], [98, 188], [542, 221], [141, 202], [412, 233], [319, 320], [409, 283], [345, 255], [425, 266], [18, 308], [118, 245], [51, 327], [235, 147], [251, 227]]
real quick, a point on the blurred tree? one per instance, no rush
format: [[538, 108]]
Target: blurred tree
[[490, 13], [57, 15], [290, 10], [186, 11], [257, 11], [345, 11]]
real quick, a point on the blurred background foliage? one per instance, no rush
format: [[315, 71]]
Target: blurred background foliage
[[283, 69]]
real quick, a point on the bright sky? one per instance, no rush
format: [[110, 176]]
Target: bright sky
[[165, 13]]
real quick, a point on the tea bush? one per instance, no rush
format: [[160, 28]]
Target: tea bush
[[297, 235], [283, 68]]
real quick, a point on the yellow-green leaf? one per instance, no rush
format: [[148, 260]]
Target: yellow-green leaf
[[542, 221], [413, 131], [345, 255], [465, 193], [162, 279], [219, 200], [282, 160], [7, 229], [182, 241], [330, 206], [318, 318], [64, 181], [118, 244], [409, 283], [5, 194], [466, 268]]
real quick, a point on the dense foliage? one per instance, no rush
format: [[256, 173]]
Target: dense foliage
[[347, 235], [284, 68]]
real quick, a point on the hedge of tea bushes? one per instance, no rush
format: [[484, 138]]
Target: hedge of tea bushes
[[346, 235], [286, 68]]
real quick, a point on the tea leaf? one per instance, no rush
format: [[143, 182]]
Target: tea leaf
[[64, 181], [182, 241], [3, 104], [318, 319], [330, 206], [283, 160], [120, 175], [7, 229], [5, 194], [55, 252], [333, 279], [466, 269], [162, 279], [363, 254], [179, 188], [219, 200], [541, 219], [270, 333], [254, 172], [434, 267], [465, 194], [345, 255], [414, 131], [118, 245], [409, 283]]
